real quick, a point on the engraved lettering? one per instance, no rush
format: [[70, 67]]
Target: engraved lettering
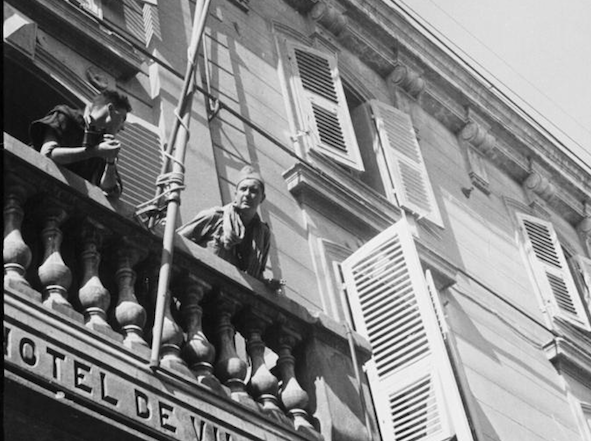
[[7, 340], [104, 394], [80, 371], [166, 412], [57, 357], [208, 432], [28, 351], [142, 405], [197, 424]]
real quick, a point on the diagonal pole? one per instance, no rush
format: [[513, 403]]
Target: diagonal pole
[[178, 139]]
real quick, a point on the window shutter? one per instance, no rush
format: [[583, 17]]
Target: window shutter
[[93, 6], [551, 269], [584, 265], [139, 160], [408, 180], [412, 381], [134, 19], [323, 105]]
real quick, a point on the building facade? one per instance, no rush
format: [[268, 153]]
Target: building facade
[[435, 242]]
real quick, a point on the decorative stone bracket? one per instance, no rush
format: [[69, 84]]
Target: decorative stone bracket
[[379, 57], [538, 188], [480, 142]]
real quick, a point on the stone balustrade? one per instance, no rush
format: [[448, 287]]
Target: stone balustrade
[[90, 258]]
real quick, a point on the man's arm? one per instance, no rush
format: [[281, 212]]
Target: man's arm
[[110, 182], [107, 149]]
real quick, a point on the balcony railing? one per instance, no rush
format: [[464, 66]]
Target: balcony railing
[[80, 265]]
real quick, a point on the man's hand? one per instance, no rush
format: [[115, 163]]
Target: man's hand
[[108, 148], [274, 284]]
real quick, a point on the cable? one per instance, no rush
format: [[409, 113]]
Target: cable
[[578, 123], [404, 8]]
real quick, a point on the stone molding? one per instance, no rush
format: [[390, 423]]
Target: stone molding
[[85, 35], [370, 212], [444, 89]]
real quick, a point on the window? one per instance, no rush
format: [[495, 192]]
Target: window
[[324, 116], [394, 156], [551, 271], [411, 376]]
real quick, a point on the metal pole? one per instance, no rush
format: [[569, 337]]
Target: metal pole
[[173, 200]]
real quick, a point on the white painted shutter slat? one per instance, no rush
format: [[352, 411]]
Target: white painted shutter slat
[[551, 269], [409, 179], [139, 160], [324, 105], [393, 309]]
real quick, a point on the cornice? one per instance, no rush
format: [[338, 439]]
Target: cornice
[[83, 33], [565, 355], [453, 95], [351, 202]]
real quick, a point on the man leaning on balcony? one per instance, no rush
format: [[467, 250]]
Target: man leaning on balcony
[[84, 140], [235, 232]]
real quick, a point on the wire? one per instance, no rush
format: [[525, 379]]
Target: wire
[[431, 29], [499, 57]]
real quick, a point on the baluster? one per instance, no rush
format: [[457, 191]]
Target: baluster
[[172, 339], [263, 385], [130, 315], [94, 297], [54, 275], [293, 397], [17, 255], [229, 368], [198, 351]]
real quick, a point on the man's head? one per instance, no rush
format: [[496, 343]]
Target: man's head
[[108, 111], [250, 190]]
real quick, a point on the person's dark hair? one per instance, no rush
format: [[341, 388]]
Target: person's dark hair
[[119, 100]]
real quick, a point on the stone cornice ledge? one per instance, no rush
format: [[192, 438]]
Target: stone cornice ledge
[[81, 31], [352, 202], [567, 356], [446, 89]]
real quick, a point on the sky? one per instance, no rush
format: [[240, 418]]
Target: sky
[[537, 51]]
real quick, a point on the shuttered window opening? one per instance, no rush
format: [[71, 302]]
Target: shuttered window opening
[[406, 179], [139, 160], [323, 112], [412, 381], [551, 271]]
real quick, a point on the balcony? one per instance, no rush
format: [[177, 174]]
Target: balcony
[[238, 361]]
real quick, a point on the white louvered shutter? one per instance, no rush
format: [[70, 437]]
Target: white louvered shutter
[[407, 177], [140, 160], [584, 265], [551, 269], [410, 374], [323, 105]]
